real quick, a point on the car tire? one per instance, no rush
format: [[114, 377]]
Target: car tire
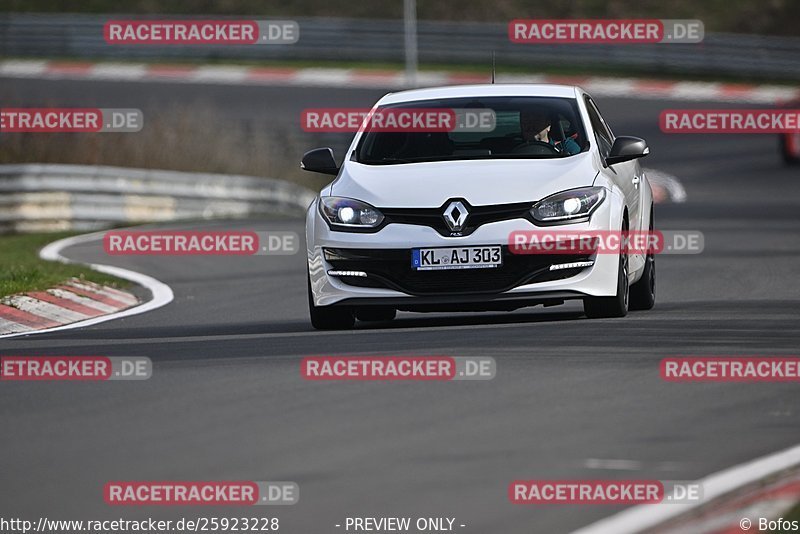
[[329, 317], [375, 313], [616, 306], [643, 292]]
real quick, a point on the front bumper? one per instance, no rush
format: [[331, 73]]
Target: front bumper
[[523, 279]]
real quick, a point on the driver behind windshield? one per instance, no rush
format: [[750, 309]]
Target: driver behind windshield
[[535, 125]]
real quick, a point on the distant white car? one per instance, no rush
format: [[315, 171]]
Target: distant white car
[[420, 221]]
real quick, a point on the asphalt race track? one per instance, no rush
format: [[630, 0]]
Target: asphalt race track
[[226, 400]]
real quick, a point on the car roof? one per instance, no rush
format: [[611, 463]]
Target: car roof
[[481, 90]]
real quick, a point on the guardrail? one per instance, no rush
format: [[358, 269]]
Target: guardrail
[[74, 197], [81, 36]]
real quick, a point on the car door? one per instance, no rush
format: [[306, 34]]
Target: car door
[[628, 175]]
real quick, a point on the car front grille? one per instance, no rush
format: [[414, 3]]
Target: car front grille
[[478, 216], [391, 269]]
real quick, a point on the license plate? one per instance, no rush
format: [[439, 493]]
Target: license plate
[[432, 259]]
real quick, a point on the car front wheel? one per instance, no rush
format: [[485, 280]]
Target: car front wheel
[[643, 292]]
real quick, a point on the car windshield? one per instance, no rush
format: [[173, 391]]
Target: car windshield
[[521, 128]]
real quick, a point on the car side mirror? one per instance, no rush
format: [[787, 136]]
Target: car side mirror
[[319, 160], [626, 149]]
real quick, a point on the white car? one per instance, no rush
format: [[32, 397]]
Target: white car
[[420, 220]]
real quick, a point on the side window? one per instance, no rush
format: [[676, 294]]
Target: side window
[[605, 124], [602, 133]]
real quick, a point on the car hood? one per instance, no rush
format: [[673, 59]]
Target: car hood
[[479, 182]]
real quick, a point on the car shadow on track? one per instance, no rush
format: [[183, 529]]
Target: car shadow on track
[[404, 321], [187, 331], [424, 320]]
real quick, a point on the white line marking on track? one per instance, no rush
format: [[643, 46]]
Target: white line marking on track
[[23, 68], [629, 465], [610, 86], [222, 73], [322, 76], [616, 465], [333, 77], [118, 71], [162, 293], [646, 516], [695, 91]]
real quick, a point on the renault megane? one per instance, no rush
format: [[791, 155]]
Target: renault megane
[[420, 220]]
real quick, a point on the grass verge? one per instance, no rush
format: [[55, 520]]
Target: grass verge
[[22, 270]]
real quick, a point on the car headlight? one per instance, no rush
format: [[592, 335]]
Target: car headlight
[[350, 213], [568, 205]]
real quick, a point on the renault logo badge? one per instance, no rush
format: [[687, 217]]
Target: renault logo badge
[[455, 215]]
